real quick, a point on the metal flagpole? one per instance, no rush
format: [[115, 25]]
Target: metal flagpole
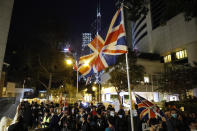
[[128, 79], [130, 95], [77, 78], [98, 28]]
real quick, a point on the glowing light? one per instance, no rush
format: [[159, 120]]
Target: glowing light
[[66, 49], [69, 61], [94, 88], [146, 79]]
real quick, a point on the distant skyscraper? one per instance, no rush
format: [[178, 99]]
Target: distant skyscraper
[[86, 39]]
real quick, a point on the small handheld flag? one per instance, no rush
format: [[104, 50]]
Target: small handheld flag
[[146, 109]]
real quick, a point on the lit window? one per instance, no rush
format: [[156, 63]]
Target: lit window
[[146, 79], [167, 58], [181, 54]]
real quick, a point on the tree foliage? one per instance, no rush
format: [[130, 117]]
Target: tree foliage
[[38, 58], [173, 7], [178, 79], [118, 73], [139, 8], [136, 9]]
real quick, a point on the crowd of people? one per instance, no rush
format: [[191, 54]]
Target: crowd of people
[[83, 117]]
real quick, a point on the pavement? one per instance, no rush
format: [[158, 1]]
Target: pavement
[[8, 107]]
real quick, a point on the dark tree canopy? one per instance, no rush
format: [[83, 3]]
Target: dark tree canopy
[[178, 79], [118, 74], [34, 57], [173, 7], [136, 9]]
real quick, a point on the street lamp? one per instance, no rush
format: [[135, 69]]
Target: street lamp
[[69, 62], [94, 88]]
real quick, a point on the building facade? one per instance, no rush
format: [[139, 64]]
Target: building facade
[[5, 17], [175, 40]]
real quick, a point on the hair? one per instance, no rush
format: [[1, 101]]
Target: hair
[[4, 123], [99, 111], [85, 117], [121, 112], [153, 121]]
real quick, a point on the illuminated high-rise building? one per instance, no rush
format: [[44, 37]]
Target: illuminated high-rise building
[[86, 39]]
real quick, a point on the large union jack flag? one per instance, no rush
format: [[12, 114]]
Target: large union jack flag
[[146, 109], [105, 52]]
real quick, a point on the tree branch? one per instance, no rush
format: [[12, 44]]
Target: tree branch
[[43, 84], [42, 65]]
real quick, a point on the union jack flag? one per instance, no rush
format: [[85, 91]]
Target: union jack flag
[[84, 65], [104, 52], [146, 109]]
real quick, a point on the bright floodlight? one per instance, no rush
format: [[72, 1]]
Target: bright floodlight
[[69, 62]]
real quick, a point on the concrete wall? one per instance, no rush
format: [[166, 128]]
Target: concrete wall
[[5, 17], [177, 33]]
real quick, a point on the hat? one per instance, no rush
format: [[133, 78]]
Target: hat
[[46, 111], [121, 112]]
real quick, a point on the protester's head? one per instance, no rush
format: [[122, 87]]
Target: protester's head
[[193, 115], [20, 118], [153, 122], [46, 112], [112, 113], [84, 118], [173, 113], [193, 126], [167, 114], [94, 108], [99, 112], [51, 110], [121, 113], [88, 109], [58, 110], [89, 115], [66, 112]]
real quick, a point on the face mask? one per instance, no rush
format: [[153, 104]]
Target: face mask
[[120, 116], [174, 115], [112, 113]]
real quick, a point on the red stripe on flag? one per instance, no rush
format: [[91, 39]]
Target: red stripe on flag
[[114, 35], [97, 44], [114, 51], [99, 64]]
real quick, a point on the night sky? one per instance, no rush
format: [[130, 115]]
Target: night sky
[[77, 15]]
